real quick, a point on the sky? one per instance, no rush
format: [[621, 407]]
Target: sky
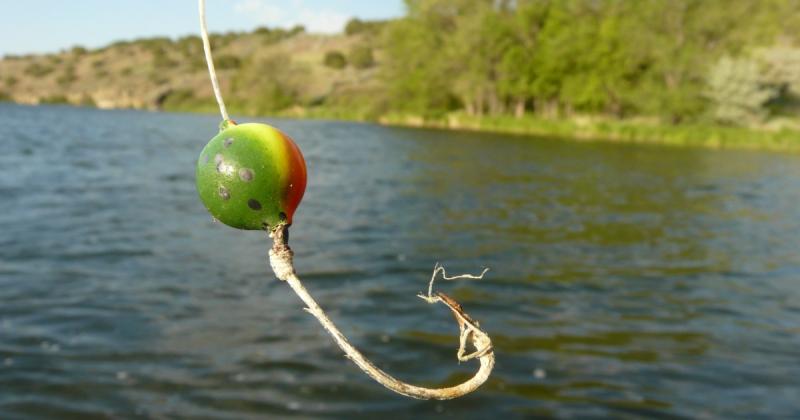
[[36, 26]]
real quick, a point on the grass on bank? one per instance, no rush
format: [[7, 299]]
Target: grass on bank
[[699, 135], [582, 129]]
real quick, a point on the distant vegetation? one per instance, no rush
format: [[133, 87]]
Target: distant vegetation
[[361, 57], [588, 68], [677, 61], [335, 60], [38, 70], [358, 26]]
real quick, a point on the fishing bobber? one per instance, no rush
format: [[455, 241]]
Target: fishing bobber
[[251, 176]]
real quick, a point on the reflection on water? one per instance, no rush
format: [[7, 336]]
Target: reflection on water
[[626, 280]]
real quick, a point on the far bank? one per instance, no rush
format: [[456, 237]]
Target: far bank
[[585, 129], [589, 129], [708, 136]]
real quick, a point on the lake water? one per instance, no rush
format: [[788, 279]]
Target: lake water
[[626, 281]]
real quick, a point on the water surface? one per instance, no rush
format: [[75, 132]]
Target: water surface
[[626, 281]]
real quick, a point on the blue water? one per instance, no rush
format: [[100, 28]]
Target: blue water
[[626, 281]]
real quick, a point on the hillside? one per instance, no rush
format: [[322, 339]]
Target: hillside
[[261, 72]]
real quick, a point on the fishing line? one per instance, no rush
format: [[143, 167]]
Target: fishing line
[[212, 72]]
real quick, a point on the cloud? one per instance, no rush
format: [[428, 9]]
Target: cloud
[[280, 13]]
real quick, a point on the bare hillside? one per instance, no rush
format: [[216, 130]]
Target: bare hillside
[[265, 71]]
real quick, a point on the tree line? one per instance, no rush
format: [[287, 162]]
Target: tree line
[[732, 61]]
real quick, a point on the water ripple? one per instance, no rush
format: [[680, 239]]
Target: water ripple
[[627, 281]]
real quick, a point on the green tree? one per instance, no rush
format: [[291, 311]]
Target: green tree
[[357, 26], [416, 72], [354, 26], [739, 92], [516, 70], [335, 60], [475, 48], [78, 50]]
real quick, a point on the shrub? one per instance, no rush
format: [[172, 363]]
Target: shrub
[[54, 99], [196, 62], [356, 26], [119, 44], [11, 81], [361, 57], [37, 70], [272, 36], [161, 60], [268, 84], [190, 46], [178, 98], [86, 100], [157, 78], [738, 91], [228, 62], [184, 100], [79, 50], [67, 78], [272, 96], [353, 26], [154, 44], [781, 69], [218, 41], [335, 60]]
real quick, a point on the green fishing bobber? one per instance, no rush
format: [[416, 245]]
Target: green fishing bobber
[[251, 176]]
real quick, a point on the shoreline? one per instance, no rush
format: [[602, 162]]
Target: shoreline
[[608, 131], [581, 129]]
